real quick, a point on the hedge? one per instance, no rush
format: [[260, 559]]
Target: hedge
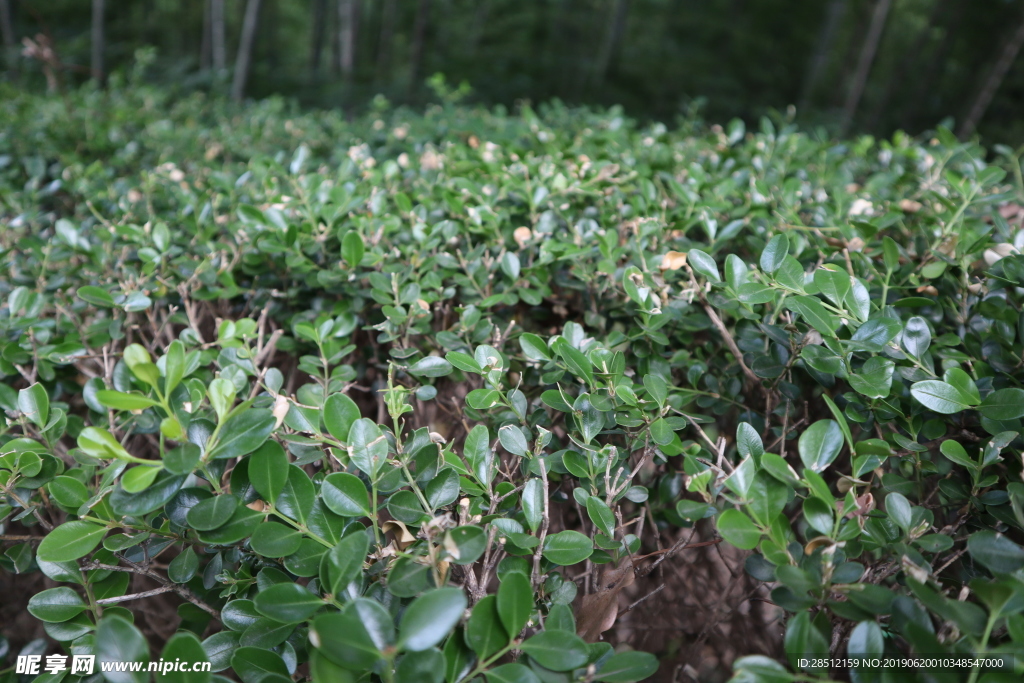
[[418, 396]]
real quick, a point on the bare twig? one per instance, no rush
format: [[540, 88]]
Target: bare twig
[[724, 331], [543, 525], [135, 596], [135, 568], [35, 510], [649, 595]]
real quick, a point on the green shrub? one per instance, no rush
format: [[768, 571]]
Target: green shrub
[[329, 383]]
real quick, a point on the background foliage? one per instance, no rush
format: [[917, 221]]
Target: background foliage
[[657, 58]]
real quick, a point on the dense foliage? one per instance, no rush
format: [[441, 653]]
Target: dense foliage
[[424, 397]]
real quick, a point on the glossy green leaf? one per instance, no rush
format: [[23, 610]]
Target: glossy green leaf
[[431, 366], [1003, 404], [212, 513], [340, 412], [899, 510], [99, 443], [139, 478], [748, 442], [703, 264], [71, 541], [465, 544], [567, 547], [430, 617], [515, 602], [774, 253], [184, 566], [268, 470], [287, 603], [512, 439], [866, 640], [34, 403], [443, 489], [255, 664], [995, 551], [343, 639], [174, 365], [222, 396], [485, 633], [534, 347], [628, 666], [601, 515], [243, 433], [352, 248], [939, 396], [736, 528], [68, 491], [820, 444], [273, 539], [117, 640], [818, 514], [95, 296], [56, 604], [834, 283], [917, 337], [346, 561], [297, 496], [814, 314], [557, 650], [875, 377], [368, 447], [241, 525], [511, 673], [346, 495], [185, 647], [122, 401], [533, 502]]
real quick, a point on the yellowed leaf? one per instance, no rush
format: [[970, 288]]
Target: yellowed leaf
[[597, 612], [522, 235], [673, 260], [403, 537]]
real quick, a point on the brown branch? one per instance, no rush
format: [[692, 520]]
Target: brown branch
[[35, 510], [723, 330], [649, 595]]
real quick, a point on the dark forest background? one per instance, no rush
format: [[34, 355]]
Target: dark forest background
[[851, 65]]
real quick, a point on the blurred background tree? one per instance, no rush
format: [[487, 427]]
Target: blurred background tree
[[851, 65]]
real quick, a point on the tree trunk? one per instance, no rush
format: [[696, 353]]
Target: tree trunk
[[899, 72], [936, 63], [98, 40], [991, 84], [387, 31], [7, 33], [477, 31], [218, 45], [245, 45], [317, 44], [269, 36], [204, 45], [867, 58], [419, 40], [613, 41], [348, 27], [833, 14]]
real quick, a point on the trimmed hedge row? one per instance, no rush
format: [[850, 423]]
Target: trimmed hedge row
[[383, 398]]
